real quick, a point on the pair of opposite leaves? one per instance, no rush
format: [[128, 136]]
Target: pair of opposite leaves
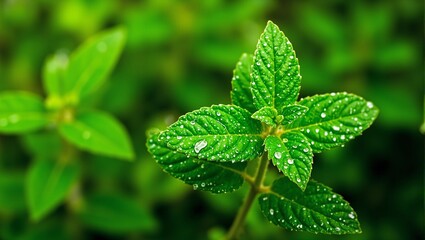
[[208, 148]]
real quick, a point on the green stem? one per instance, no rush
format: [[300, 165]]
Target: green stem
[[246, 206]]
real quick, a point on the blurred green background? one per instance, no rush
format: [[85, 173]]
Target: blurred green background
[[179, 56]]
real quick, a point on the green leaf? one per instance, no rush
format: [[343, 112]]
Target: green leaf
[[203, 175], [21, 112], [47, 185], [219, 133], [116, 214], [92, 62], [333, 119], [54, 71], [316, 210], [275, 75], [291, 154], [99, 133], [292, 112], [241, 90], [266, 115], [12, 192]]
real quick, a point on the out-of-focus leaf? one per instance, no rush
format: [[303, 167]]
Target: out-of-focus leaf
[[91, 63], [21, 112], [12, 193], [43, 145], [99, 133], [116, 214], [47, 184]]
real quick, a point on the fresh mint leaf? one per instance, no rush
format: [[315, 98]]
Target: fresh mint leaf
[[221, 133], [291, 154], [203, 175], [99, 133], [266, 115], [316, 210], [276, 73], [241, 90], [292, 112], [21, 112], [47, 185], [333, 119], [91, 63]]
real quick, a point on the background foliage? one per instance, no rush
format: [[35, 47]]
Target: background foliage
[[179, 56]]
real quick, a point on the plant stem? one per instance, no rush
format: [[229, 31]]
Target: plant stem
[[246, 206]]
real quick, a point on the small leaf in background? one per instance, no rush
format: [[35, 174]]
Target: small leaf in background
[[276, 73], [291, 154], [43, 144], [241, 90], [21, 112], [316, 210], [116, 214], [47, 184], [266, 115], [333, 119], [92, 62], [292, 112], [203, 175], [54, 71], [99, 133], [220, 133]]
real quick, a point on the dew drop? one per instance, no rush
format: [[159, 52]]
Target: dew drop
[[271, 211], [336, 128], [305, 150], [179, 137], [218, 114], [291, 161], [369, 105], [323, 115], [351, 215], [278, 155], [200, 145]]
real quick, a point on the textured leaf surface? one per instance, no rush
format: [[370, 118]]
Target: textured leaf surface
[[292, 112], [316, 210], [203, 175], [116, 214], [98, 133], [219, 133], [333, 119], [47, 185], [292, 155], [21, 112], [266, 115], [241, 89], [91, 63], [275, 75]]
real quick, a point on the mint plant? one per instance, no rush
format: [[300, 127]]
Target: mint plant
[[68, 82], [210, 148]]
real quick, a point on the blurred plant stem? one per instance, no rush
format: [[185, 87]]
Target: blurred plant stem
[[255, 188]]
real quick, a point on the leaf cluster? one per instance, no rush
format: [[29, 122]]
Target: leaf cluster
[[211, 147], [68, 82]]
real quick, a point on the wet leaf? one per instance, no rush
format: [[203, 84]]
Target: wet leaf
[[316, 210], [224, 133], [241, 90], [276, 73], [333, 119], [291, 154], [202, 174]]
